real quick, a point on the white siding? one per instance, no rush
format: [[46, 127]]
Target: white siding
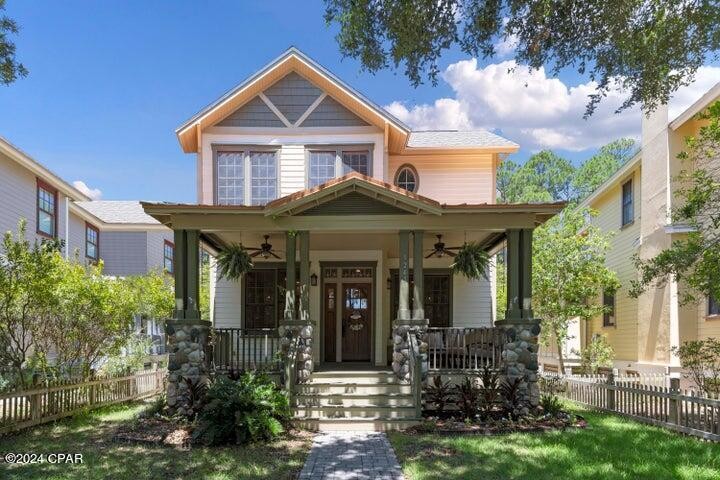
[[472, 302], [227, 303], [292, 169], [17, 196]]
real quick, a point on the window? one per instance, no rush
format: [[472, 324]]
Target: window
[[46, 209], [628, 213], [327, 163], [245, 177], [609, 304], [92, 237], [264, 304], [713, 306], [168, 256], [263, 177], [407, 178], [321, 168], [437, 292]]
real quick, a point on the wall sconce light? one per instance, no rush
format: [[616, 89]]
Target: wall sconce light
[[313, 280]]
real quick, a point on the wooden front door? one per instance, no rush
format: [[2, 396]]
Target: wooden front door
[[330, 321], [356, 321]]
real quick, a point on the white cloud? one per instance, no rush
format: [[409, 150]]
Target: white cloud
[[531, 108], [93, 193], [506, 47], [705, 79]]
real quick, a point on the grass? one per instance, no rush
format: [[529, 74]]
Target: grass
[[91, 435], [610, 448]]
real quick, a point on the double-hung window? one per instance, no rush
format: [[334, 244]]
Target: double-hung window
[[609, 313], [628, 212], [245, 176], [713, 306], [326, 163], [168, 256], [46, 209], [92, 240]]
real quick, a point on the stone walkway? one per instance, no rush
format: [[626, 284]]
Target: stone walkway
[[351, 455]]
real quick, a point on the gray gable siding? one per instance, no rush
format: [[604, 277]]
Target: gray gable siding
[[155, 251], [354, 204], [124, 253], [255, 113], [292, 95], [331, 114]]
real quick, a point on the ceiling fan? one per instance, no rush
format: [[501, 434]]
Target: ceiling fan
[[440, 250], [265, 249]]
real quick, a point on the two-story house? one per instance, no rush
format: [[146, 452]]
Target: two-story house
[[635, 204]]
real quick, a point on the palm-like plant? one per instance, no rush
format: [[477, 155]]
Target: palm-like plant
[[233, 262], [471, 261]]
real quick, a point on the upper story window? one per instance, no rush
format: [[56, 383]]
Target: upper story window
[[46, 209], [326, 163], [245, 176], [713, 306], [628, 212], [609, 304], [407, 178], [92, 240], [168, 256]]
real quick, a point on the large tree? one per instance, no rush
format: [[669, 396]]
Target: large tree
[[569, 274], [649, 48], [10, 68], [598, 168], [695, 259]]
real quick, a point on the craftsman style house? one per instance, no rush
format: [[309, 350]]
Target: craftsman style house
[[349, 210]]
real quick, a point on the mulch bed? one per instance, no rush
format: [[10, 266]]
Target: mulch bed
[[154, 431], [529, 424]]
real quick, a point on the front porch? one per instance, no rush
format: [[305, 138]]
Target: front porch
[[358, 285]]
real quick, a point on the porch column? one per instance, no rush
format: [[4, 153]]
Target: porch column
[[521, 328], [289, 314], [304, 276], [186, 333], [403, 312], [418, 276]]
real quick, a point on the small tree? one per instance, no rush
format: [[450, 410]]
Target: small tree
[[597, 354], [701, 358], [27, 276], [569, 273]]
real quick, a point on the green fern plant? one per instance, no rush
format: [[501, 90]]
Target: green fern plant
[[233, 262], [471, 261]]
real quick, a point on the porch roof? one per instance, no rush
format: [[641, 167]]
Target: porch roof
[[400, 210]]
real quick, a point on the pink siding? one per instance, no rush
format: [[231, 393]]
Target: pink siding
[[451, 178]]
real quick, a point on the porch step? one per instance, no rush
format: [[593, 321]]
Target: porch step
[[355, 424], [337, 388], [363, 376], [355, 400], [355, 412]]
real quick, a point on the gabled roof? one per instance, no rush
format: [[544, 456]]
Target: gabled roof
[[118, 212], [616, 177], [697, 107], [291, 60], [25, 160], [353, 182]]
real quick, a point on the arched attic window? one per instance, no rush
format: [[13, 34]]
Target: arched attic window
[[407, 177]]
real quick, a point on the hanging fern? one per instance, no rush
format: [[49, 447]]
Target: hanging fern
[[471, 261], [233, 262]]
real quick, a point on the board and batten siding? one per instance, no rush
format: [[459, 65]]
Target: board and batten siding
[[451, 178], [624, 244]]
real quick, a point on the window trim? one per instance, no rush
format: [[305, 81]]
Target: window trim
[[394, 286], [54, 191], [339, 150], [90, 226], [245, 149], [168, 243], [277, 267], [414, 171], [631, 220], [610, 315], [709, 313]]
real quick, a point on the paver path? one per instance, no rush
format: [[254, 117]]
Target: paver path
[[351, 455]]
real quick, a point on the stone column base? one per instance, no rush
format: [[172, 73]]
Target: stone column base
[[402, 329], [520, 360], [305, 364], [187, 343]]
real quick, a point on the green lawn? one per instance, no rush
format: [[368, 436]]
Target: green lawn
[[103, 458], [610, 448]]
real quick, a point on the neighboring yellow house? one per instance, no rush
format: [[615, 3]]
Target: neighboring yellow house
[[635, 204]]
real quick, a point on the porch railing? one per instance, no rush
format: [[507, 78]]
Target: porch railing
[[246, 349], [463, 349]]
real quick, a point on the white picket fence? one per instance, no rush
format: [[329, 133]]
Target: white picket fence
[[645, 399]]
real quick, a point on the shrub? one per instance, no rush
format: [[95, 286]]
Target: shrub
[[551, 404], [598, 353], [702, 360], [439, 393], [468, 398], [250, 409], [489, 380], [510, 391]]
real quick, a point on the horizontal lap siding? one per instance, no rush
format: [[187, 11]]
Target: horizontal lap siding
[[451, 178], [156, 249], [292, 169], [17, 197], [76, 240], [624, 244], [472, 303], [124, 253], [227, 303]]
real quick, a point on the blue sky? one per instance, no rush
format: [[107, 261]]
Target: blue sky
[[110, 81]]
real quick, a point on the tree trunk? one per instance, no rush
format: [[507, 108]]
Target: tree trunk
[[561, 360]]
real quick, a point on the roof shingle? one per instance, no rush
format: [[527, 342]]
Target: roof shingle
[[457, 139], [120, 211]]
